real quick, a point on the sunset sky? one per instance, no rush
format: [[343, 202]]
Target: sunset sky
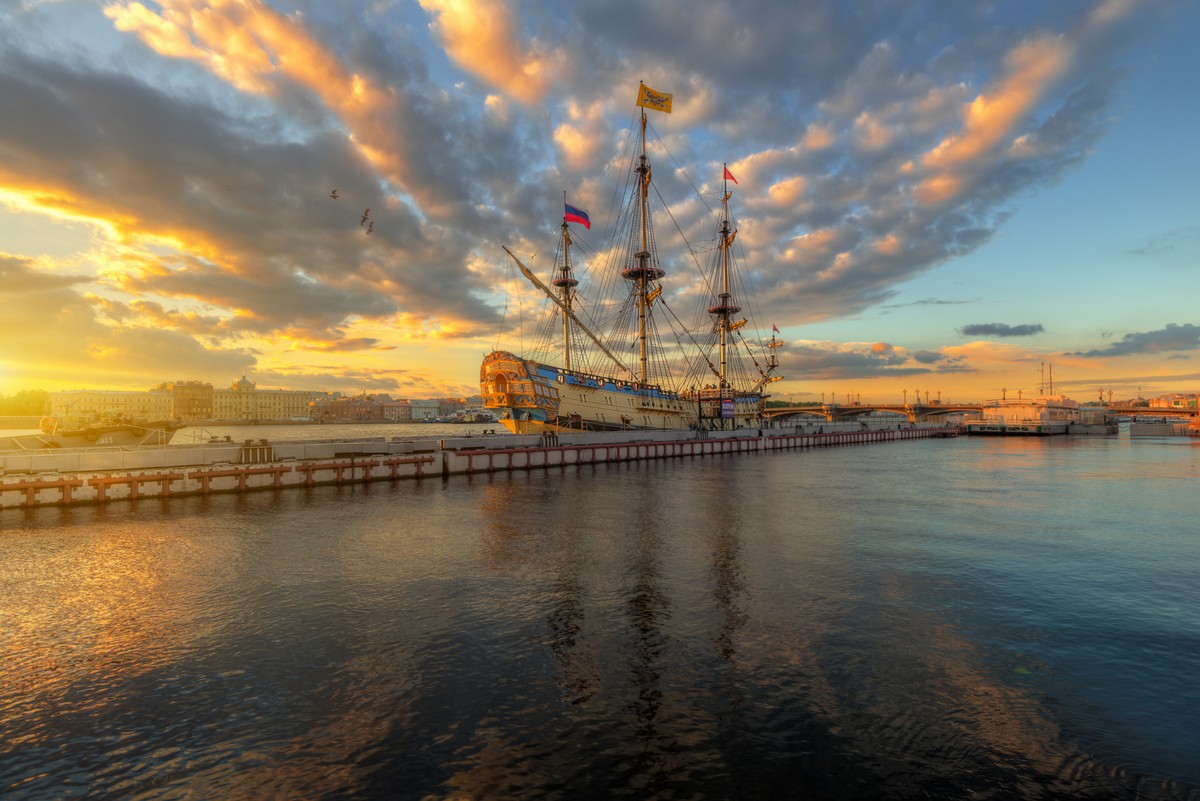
[[934, 196]]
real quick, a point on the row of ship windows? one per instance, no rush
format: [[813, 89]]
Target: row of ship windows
[[629, 402], [600, 383]]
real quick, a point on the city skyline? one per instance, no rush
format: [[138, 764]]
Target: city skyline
[[935, 198]]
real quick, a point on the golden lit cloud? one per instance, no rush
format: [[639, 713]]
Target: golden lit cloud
[[818, 137], [872, 134], [842, 263], [481, 39], [1031, 69], [578, 139], [938, 189], [764, 162], [990, 118], [788, 191], [177, 31], [20, 193], [250, 44], [890, 245], [985, 353], [813, 246]]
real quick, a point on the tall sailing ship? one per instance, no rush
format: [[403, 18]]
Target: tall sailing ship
[[712, 375]]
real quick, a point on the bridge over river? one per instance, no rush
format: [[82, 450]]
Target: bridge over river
[[913, 412]]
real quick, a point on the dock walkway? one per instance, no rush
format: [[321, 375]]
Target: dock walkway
[[93, 475]]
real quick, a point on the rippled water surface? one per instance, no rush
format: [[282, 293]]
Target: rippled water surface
[[992, 618]]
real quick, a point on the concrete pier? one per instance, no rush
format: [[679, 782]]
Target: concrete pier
[[66, 477]]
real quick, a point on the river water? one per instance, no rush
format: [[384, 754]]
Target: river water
[[991, 618]]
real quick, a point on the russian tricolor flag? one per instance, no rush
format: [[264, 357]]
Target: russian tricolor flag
[[572, 214]]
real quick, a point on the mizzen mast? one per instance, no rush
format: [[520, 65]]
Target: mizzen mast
[[725, 307]]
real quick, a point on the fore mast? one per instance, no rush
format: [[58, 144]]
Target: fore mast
[[566, 282]]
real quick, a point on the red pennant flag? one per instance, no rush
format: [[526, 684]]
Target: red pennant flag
[[729, 176]]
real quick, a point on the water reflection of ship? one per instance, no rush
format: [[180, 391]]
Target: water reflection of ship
[[578, 677], [649, 610], [507, 542]]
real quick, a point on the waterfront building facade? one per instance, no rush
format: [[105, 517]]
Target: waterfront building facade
[[192, 400], [426, 409], [197, 402], [357, 409], [1174, 401], [94, 404], [245, 401], [397, 411]]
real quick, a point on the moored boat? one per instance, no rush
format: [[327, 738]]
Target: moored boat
[[1045, 415], [1048, 414], [712, 375], [70, 432]]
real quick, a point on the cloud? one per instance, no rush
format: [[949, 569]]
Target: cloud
[[928, 357], [259, 236], [926, 302], [482, 39], [20, 276], [390, 115], [198, 140], [1174, 337], [1030, 70], [1168, 241], [819, 361], [1001, 330], [67, 332]]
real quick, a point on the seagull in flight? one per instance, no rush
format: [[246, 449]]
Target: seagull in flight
[[366, 217], [334, 194]]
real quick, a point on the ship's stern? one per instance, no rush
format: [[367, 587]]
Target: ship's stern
[[522, 401]]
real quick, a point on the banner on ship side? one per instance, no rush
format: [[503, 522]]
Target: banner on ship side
[[727, 408]]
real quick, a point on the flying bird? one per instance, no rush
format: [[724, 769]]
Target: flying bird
[[370, 226], [366, 216], [334, 194]]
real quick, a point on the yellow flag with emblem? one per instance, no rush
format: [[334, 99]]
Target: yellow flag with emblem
[[658, 101]]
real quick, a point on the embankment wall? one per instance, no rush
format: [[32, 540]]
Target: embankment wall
[[60, 478]]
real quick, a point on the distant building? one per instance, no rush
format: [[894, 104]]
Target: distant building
[[199, 402], [193, 400], [398, 411], [245, 401], [1174, 401], [98, 404], [450, 407], [358, 409], [423, 410]]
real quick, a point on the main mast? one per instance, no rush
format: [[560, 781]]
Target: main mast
[[642, 273]]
